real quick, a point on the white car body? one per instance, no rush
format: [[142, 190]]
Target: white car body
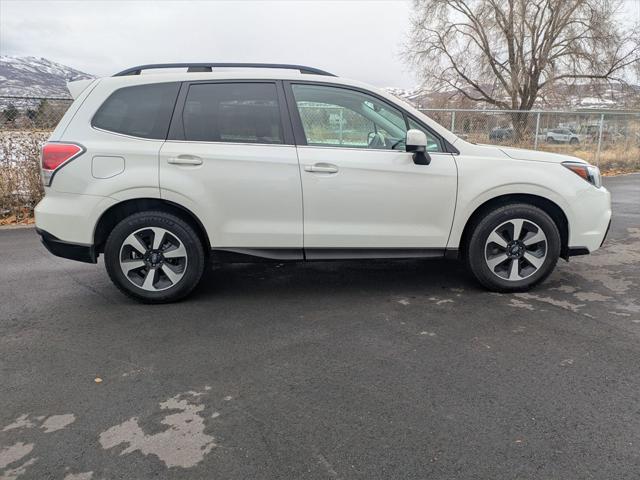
[[264, 197], [563, 135]]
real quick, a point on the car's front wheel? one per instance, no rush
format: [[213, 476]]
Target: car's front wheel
[[154, 257], [513, 248]]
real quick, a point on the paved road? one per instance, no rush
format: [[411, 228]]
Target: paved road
[[390, 370]]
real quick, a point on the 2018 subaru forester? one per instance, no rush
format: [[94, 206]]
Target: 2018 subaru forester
[[164, 172]]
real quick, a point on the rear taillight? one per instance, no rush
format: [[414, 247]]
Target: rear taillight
[[55, 156]]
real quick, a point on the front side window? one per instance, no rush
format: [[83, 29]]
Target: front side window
[[140, 111], [333, 116], [232, 112], [341, 117]]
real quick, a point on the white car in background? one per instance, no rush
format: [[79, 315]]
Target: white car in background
[[162, 173], [563, 135]]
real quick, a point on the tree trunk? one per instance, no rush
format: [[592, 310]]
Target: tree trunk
[[520, 123]]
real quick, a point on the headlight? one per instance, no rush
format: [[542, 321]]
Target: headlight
[[590, 173]]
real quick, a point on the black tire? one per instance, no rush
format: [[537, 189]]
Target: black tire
[[176, 227], [574, 141], [476, 247]]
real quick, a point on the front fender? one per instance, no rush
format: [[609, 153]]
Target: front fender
[[482, 180]]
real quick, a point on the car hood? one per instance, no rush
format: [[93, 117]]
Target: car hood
[[537, 155]]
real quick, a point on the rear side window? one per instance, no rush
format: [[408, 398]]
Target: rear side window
[[232, 112], [140, 111]]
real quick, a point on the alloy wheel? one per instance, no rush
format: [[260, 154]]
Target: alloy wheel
[[516, 249], [153, 258]]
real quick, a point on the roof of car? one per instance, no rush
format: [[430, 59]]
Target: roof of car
[[233, 74], [208, 67]]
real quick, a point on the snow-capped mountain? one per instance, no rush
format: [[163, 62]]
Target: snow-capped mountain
[[408, 95], [575, 97], [36, 77]]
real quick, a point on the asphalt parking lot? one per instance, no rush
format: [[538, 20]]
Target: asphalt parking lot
[[385, 370]]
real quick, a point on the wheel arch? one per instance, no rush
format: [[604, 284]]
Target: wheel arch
[[114, 214], [548, 206]]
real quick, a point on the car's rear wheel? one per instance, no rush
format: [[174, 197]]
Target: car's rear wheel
[[513, 248], [154, 257]]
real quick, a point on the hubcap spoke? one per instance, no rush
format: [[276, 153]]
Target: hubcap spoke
[[533, 260], [149, 279], [129, 265], [134, 242], [537, 238], [517, 228], [177, 252], [497, 239], [158, 237], [497, 260], [513, 270], [173, 276]]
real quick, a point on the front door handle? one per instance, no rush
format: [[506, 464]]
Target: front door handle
[[321, 168], [185, 160]]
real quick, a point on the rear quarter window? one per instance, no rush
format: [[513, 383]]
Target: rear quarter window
[[140, 111]]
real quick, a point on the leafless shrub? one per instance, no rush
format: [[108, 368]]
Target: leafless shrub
[[20, 183]]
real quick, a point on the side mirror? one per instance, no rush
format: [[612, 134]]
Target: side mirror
[[417, 143]]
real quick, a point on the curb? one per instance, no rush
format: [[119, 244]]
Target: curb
[[17, 227]]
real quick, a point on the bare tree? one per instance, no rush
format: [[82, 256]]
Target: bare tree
[[511, 53]]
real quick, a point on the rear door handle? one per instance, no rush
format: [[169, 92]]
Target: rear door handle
[[185, 160], [321, 168]]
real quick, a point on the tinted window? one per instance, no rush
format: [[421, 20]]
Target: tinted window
[[232, 112], [141, 111]]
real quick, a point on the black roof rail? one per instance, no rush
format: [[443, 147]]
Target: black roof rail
[[207, 67]]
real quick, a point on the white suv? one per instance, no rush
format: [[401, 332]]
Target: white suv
[[165, 172], [562, 135]]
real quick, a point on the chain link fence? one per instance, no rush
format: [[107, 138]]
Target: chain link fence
[[31, 113], [25, 124], [608, 139], [334, 125]]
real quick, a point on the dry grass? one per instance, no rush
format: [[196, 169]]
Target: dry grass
[[622, 156], [614, 159], [21, 186]]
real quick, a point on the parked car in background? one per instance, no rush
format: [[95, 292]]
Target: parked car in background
[[501, 134], [562, 135], [606, 134], [163, 173]]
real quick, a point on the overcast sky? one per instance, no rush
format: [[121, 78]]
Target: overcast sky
[[356, 38]]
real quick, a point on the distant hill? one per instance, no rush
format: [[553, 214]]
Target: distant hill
[[577, 97], [36, 77]]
